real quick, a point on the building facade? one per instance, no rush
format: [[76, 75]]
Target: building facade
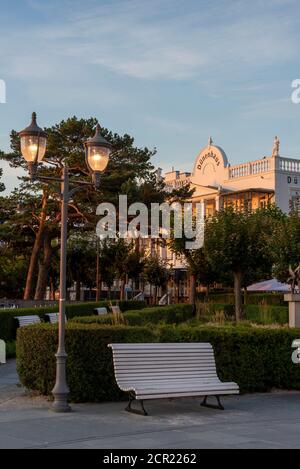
[[271, 179]]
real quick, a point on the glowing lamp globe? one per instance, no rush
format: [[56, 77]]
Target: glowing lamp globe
[[33, 142], [97, 153]]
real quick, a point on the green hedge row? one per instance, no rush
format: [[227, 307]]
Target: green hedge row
[[251, 298], [260, 314], [257, 359], [267, 314], [173, 314], [8, 325], [89, 364]]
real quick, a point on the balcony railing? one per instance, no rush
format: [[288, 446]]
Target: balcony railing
[[246, 169], [287, 164]]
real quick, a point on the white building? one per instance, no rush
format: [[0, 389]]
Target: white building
[[217, 184]]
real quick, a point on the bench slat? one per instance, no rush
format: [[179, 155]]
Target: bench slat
[[207, 392]]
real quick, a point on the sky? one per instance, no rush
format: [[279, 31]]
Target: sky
[[170, 73]]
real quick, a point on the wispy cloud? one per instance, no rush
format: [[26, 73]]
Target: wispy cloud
[[157, 39]]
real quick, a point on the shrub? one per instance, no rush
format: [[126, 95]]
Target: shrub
[[89, 364], [257, 359], [11, 350], [261, 314], [8, 325], [173, 314], [251, 298], [266, 314]]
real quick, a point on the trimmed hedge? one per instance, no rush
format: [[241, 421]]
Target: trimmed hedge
[[260, 314], [251, 298], [267, 314], [258, 359], [8, 325], [89, 364], [173, 314]]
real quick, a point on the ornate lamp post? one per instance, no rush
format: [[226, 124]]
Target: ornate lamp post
[[33, 148]]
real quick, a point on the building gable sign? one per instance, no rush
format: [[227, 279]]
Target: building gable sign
[[209, 154], [210, 166]]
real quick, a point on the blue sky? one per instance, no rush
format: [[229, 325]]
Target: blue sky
[[168, 72]]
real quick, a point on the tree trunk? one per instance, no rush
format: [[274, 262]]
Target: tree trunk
[[52, 289], [122, 289], [44, 265], [155, 294], [28, 292], [245, 296], [192, 292], [78, 290], [238, 294], [98, 288]]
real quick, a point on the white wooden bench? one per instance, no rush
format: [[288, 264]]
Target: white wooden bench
[[27, 320], [166, 370], [53, 317], [101, 311]]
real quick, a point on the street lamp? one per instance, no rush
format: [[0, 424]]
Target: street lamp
[[97, 154], [33, 145], [33, 148]]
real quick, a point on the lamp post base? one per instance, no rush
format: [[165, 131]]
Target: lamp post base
[[60, 391], [60, 406]]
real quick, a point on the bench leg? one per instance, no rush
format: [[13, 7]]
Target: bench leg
[[135, 411], [212, 406]]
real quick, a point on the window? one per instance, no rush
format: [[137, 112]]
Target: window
[[263, 202]]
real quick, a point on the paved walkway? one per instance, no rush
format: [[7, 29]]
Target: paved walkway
[[250, 421]]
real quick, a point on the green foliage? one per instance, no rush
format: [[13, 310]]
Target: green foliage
[[257, 359], [255, 313], [173, 314], [285, 247], [155, 272], [239, 242], [9, 325], [251, 298], [11, 349], [89, 364], [35, 210], [267, 314]]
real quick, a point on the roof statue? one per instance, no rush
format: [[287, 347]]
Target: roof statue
[[210, 141], [294, 278], [276, 145]]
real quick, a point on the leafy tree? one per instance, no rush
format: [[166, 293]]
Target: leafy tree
[[2, 186], [81, 260], [155, 273], [41, 201], [238, 242], [285, 246]]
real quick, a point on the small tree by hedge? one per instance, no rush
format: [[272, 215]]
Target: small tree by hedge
[[238, 242]]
